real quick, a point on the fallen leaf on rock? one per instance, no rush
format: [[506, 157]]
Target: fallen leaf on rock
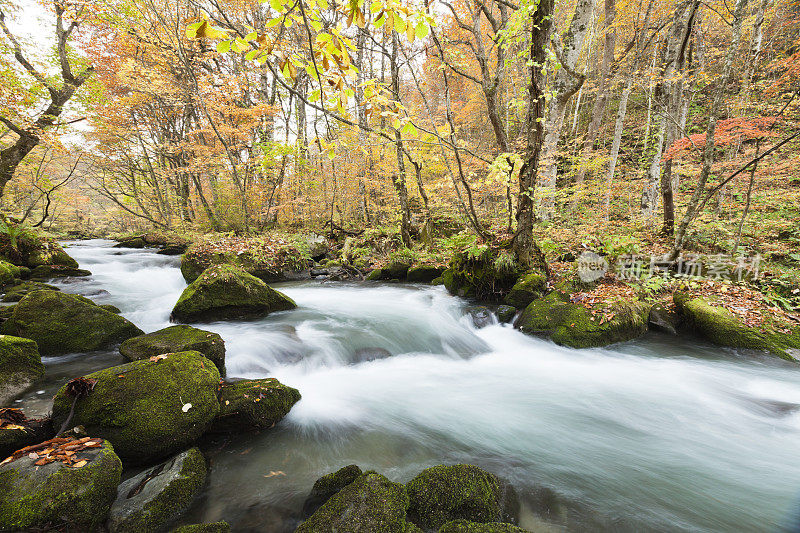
[[79, 463], [158, 357]]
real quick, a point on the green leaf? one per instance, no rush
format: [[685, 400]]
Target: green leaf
[[251, 55], [421, 30], [223, 47]]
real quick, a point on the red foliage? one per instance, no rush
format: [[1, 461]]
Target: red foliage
[[728, 131]]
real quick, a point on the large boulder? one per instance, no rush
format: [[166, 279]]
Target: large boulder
[[18, 292], [176, 339], [465, 526], [721, 326], [156, 497], [530, 286], [148, 409], [441, 494], [47, 272], [66, 323], [228, 292], [20, 366], [571, 324], [8, 273], [253, 404], [327, 486], [74, 495], [423, 273], [370, 503], [31, 249]]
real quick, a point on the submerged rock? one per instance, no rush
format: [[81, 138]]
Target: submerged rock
[[327, 486], [66, 323], [158, 496], [228, 292], [506, 313], [176, 339], [573, 325], [20, 366], [56, 495], [18, 292], [363, 355], [253, 404], [465, 526], [481, 316], [45, 272], [369, 503], [147, 409], [720, 326], [424, 273], [214, 527], [442, 494]]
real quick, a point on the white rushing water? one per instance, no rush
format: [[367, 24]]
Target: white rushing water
[[658, 434]]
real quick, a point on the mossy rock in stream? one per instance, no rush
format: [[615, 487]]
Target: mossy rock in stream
[[20, 366], [486, 275], [148, 409], [176, 339], [8, 273], [465, 526], [573, 325], [423, 273], [228, 292], [720, 326], [27, 433], [66, 323], [56, 496], [529, 286], [45, 272], [213, 527], [370, 503], [31, 249], [442, 493], [136, 242], [158, 496], [253, 404], [18, 292], [328, 485]]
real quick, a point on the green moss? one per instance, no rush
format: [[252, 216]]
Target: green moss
[[721, 326], [20, 366], [147, 409], [529, 287], [370, 503], [215, 527], [375, 275], [573, 325], [58, 495], [66, 323], [8, 273], [136, 242], [44, 272], [176, 339], [506, 313], [424, 273], [253, 404], [32, 249], [476, 275], [396, 270], [158, 496], [328, 485], [444, 493], [18, 292], [228, 292], [464, 526]]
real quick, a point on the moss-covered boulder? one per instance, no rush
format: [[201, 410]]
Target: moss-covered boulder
[[58, 496], [327, 486], [375, 275], [20, 366], [370, 503], [21, 433], [153, 499], [214, 527], [465, 526], [530, 286], [135, 242], [723, 327], [176, 339], [506, 313], [46, 272], [147, 409], [66, 323], [486, 275], [112, 308], [253, 404], [423, 273], [31, 249], [571, 324], [441, 494], [228, 292], [18, 292], [8, 273]]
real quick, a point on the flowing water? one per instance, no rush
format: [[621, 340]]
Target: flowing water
[[660, 434]]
